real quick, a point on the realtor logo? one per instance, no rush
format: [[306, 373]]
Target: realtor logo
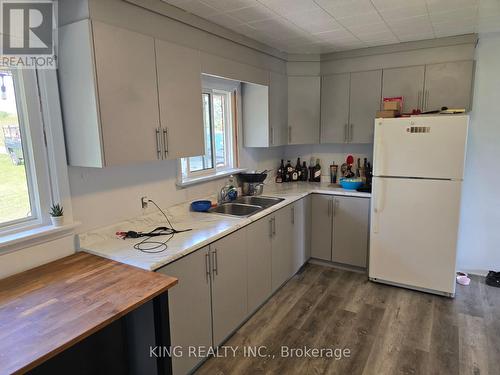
[[28, 33]]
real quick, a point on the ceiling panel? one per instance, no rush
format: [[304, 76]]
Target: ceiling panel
[[321, 26]]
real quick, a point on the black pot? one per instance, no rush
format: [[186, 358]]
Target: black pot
[[252, 177]]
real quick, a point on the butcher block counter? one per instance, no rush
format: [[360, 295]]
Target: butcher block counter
[[48, 309]]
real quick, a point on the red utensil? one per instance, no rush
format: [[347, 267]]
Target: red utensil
[[350, 159]]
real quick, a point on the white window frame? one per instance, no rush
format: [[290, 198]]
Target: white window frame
[[40, 122], [212, 85]]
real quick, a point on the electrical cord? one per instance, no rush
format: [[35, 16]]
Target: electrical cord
[[147, 245]]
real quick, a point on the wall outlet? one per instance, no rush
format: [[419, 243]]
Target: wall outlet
[[144, 202]]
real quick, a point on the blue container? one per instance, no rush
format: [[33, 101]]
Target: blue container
[[350, 185], [201, 206]]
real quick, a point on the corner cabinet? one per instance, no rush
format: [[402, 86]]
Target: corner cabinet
[[304, 102], [117, 105], [340, 229]]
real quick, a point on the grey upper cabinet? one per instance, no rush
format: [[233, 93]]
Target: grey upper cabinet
[[109, 96], [304, 109], [350, 230], [448, 84], [282, 256], [366, 88], [278, 109], [321, 231], [179, 89], [335, 108], [229, 284], [125, 100], [189, 307], [259, 236], [406, 82]]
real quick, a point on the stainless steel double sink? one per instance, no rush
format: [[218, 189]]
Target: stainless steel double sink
[[245, 206]]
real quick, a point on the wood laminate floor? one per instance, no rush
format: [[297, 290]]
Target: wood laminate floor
[[388, 330]]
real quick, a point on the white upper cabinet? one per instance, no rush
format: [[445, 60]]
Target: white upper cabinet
[[366, 88], [265, 112], [448, 85], [304, 109], [335, 108], [113, 115], [179, 89], [406, 82]]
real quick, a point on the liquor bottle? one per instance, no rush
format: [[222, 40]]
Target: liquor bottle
[[297, 172], [305, 173], [311, 169], [317, 172], [288, 172], [279, 174], [358, 168]]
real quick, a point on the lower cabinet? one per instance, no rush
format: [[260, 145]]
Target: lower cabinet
[[301, 229], [190, 307], [340, 227], [229, 284], [282, 252]]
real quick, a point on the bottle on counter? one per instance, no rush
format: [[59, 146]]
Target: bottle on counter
[[311, 169], [288, 172], [333, 173], [317, 172], [279, 174], [297, 172], [305, 172]]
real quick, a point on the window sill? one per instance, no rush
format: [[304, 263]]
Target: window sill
[[35, 236], [198, 180]]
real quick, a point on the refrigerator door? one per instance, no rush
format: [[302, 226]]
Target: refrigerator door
[[423, 146], [413, 235]]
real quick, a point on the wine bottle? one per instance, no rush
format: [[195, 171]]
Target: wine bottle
[[305, 173], [279, 174], [297, 171], [288, 171], [317, 172]]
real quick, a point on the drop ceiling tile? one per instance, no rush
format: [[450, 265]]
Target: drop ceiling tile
[[404, 12], [457, 15], [195, 7], [449, 29], [435, 6], [314, 21], [279, 28], [346, 8], [361, 19], [391, 4], [229, 5], [285, 7], [368, 28], [414, 37], [224, 20], [333, 35], [252, 14], [378, 37]]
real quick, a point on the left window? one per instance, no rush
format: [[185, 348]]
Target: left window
[[24, 181]]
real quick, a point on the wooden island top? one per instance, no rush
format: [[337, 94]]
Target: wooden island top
[[47, 309]]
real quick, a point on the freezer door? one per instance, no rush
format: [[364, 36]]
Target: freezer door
[[424, 146], [413, 234]]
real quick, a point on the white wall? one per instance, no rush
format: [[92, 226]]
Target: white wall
[[479, 238]]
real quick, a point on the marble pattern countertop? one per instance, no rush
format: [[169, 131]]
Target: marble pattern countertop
[[206, 227]]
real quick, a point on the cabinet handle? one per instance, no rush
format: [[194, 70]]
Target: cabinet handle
[[274, 226], [165, 141], [207, 266], [214, 263], [293, 215], [351, 128], [289, 134], [158, 143], [271, 228]]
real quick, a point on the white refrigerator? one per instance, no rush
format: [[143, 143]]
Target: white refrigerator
[[418, 170]]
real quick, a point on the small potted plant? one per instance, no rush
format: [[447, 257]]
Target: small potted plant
[[56, 215]]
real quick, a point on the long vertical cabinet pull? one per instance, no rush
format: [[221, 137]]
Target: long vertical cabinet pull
[[165, 142], [334, 209], [345, 132], [158, 143], [214, 263], [274, 226], [271, 227], [293, 215], [207, 266]]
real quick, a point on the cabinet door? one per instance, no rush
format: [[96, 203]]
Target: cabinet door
[[334, 108], [259, 236], [405, 82], [128, 95], [229, 284], [278, 97], [189, 307], [448, 85], [303, 110], [299, 242], [282, 259], [350, 230], [365, 93], [179, 88], [321, 230]]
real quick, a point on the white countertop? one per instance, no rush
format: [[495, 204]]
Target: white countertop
[[206, 227]]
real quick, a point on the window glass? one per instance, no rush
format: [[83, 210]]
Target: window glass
[[220, 130], [199, 163], [15, 202]]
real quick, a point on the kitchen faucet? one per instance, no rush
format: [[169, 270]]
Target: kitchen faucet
[[225, 192]]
